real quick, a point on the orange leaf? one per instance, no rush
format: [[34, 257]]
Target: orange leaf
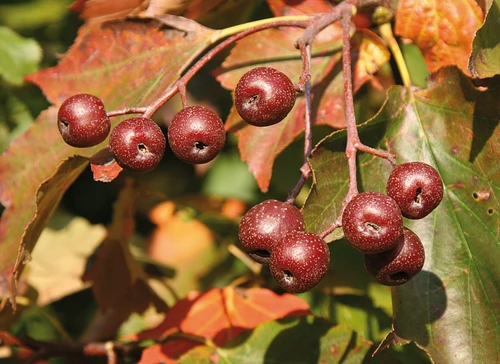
[[183, 243], [219, 315], [443, 30]]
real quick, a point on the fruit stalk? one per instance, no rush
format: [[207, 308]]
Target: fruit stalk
[[305, 170], [180, 84]]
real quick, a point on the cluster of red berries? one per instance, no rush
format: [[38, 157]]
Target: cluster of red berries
[[272, 232], [373, 222], [196, 134]]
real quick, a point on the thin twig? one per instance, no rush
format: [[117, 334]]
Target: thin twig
[[305, 170], [126, 111], [182, 82]]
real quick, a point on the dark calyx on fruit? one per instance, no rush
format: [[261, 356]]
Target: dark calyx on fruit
[[265, 224], [299, 261], [137, 144], [264, 96], [82, 121], [372, 222], [399, 264], [196, 135], [416, 187]]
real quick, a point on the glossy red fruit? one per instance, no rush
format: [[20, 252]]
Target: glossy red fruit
[[417, 188], [399, 264], [299, 261], [196, 135], [372, 222], [264, 96], [82, 121], [265, 224], [137, 144]]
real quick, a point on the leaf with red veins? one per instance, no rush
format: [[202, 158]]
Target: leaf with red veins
[[260, 146], [443, 30], [121, 62]]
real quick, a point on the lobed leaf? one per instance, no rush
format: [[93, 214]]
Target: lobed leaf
[[443, 30], [484, 60], [453, 126]]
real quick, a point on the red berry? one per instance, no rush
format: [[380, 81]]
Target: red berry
[[416, 187], [399, 264], [137, 144], [299, 261], [82, 121], [265, 224], [196, 135], [372, 222], [264, 96]]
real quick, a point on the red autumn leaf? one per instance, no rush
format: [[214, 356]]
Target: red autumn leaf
[[218, 315], [101, 10], [124, 63], [260, 146], [443, 30], [98, 11]]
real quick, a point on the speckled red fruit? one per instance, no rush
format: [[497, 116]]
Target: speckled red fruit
[[399, 264], [137, 144], [265, 224], [372, 222], [264, 96], [82, 121], [417, 188], [196, 135], [299, 261]]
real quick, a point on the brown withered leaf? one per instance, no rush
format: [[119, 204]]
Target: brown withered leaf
[[118, 281]]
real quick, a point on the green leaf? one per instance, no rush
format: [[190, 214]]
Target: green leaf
[[229, 178], [454, 301], [291, 340], [485, 58], [20, 56], [15, 118]]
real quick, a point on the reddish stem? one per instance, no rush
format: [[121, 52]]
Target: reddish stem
[[126, 111], [353, 142], [305, 170], [182, 82]]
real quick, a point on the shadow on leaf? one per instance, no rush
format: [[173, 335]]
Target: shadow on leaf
[[412, 316]]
